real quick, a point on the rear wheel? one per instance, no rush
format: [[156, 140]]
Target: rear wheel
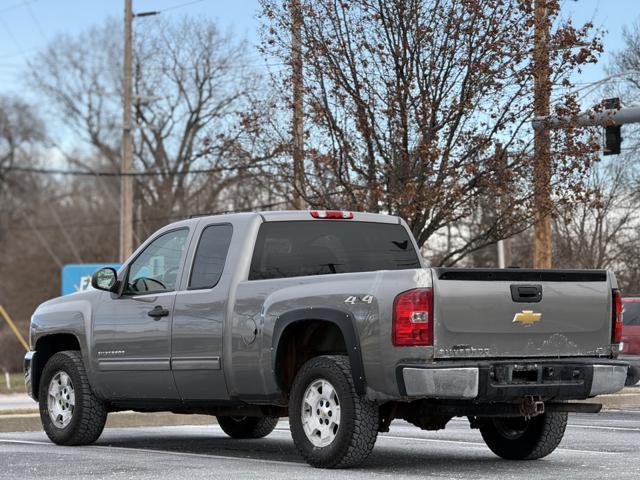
[[517, 438], [633, 376], [70, 412], [247, 427], [331, 425]]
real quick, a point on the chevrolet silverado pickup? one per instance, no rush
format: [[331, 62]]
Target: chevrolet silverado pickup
[[333, 320]]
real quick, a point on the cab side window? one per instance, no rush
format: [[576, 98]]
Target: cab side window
[[156, 268], [210, 256]]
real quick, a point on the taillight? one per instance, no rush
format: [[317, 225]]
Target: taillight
[[616, 314], [413, 318], [331, 214]]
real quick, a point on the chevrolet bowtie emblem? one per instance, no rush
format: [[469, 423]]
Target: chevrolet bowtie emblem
[[527, 317]]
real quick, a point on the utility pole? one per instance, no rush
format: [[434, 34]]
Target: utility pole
[[126, 181], [297, 122], [542, 247]]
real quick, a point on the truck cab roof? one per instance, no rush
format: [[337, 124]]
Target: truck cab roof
[[283, 216]]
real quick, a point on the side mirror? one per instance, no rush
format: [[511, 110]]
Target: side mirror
[[105, 279]]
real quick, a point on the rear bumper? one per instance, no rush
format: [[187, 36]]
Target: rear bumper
[[632, 360], [505, 380], [634, 364]]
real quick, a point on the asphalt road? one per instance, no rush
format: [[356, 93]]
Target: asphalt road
[[595, 446]]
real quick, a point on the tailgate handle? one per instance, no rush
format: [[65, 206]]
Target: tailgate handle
[[526, 293]]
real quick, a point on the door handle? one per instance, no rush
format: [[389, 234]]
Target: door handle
[[526, 293], [158, 312]]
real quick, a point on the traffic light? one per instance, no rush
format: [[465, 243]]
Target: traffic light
[[612, 133], [612, 140]]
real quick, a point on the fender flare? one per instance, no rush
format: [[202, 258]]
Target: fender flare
[[34, 363], [344, 320]]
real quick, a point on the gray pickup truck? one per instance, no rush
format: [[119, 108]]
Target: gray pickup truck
[[332, 319]]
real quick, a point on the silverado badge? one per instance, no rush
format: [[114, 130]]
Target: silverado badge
[[527, 317]]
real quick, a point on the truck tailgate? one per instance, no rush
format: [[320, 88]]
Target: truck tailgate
[[521, 313]]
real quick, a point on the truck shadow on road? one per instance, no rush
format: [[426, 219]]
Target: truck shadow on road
[[397, 455]]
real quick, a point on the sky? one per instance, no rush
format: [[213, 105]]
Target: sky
[[27, 25]]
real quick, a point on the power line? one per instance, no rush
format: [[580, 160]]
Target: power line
[[175, 217], [180, 5], [18, 54], [88, 173], [11, 36], [72, 225], [36, 22], [15, 6]]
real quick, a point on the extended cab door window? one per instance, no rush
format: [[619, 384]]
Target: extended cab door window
[[210, 256], [156, 268]]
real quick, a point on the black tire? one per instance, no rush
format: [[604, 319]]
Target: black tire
[[358, 428], [633, 376], [247, 427], [88, 415], [519, 439]]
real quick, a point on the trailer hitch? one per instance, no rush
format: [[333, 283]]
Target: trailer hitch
[[531, 406]]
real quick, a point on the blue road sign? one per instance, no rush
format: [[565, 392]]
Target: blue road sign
[[77, 277]]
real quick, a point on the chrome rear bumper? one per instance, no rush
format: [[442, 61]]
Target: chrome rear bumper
[[506, 380]]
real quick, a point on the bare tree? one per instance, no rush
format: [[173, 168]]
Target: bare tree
[[21, 130], [418, 107], [606, 231], [193, 95], [602, 231], [46, 222]]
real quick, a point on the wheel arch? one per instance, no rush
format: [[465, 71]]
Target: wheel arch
[[45, 347], [331, 322]]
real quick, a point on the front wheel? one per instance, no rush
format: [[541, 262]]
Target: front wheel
[[70, 412], [331, 425], [247, 427], [517, 438]]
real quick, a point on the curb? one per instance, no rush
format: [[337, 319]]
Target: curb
[[618, 401], [29, 421]]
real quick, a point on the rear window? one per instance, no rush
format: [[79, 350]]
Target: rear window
[[631, 315], [294, 249]]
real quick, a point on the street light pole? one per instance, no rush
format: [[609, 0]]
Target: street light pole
[[607, 117], [542, 247], [126, 180]]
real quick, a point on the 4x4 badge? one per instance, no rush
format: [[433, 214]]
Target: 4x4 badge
[[527, 317]]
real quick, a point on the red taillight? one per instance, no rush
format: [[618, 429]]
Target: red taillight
[[331, 214], [616, 314], [413, 318]]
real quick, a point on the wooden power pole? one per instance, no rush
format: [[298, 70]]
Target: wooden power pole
[[297, 121], [542, 241], [126, 181]]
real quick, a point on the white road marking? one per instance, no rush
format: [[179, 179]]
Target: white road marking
[[574, 425], [202, 455], [167, 452], [471, 444], [26, 442], [285, 430], [483, 446], [597, 427]]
